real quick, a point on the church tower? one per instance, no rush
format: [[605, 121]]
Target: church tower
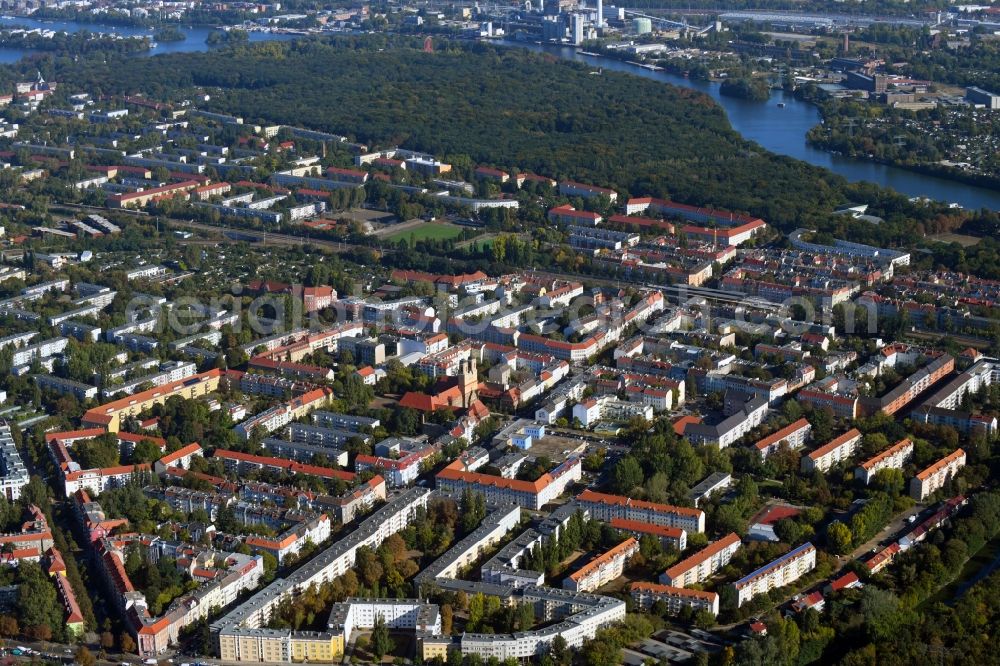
[[468, 381]]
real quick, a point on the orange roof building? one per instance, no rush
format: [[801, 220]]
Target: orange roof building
[[703, 564]]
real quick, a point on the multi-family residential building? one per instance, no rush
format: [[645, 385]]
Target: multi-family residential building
[[571, 189], [606, 508], [243, 462], [713, 483], [303, 452], [291, 542], [781, 572], [703, 564], [609, 408], [110, 415], [462, 555], [672, 537], [731, 429], [240, 633], [281, 415], [603, 569], [180, 458], [835, 451], [893, 457], [398, 472], [934, 477], [173, 371], [13, 472], [794, 436], [937, 368], [453, 480], [65, 386], [646, 594], [43, 349]]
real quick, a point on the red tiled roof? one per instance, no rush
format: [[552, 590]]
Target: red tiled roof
[[705, 553]]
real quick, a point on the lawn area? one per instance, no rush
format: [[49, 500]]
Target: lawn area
[[962, 239], [427, 231]]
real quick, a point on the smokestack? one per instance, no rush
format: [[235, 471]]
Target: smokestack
[[600, 13]]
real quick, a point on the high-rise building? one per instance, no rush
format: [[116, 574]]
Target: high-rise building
[[577, 30]]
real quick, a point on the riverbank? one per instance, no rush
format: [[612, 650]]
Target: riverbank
[[905, 140], [780, 125]]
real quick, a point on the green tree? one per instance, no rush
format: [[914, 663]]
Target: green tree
[[627, 475], [382, 644], [838, 538]]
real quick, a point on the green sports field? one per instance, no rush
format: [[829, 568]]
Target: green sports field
[[426, 231]]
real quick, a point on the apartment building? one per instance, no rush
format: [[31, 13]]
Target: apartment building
[[462, 555], [609, 408], [902, 395], [168, 372], [893, 457], [566, 214], [64, 386], [44, 349], [245, 462], [179, 458], [110, 415], [398, 472], [781, 572], [281, 415], [731, 429], [569, 188], [794, 436], [574, 616], [833, 452], [935, 476], [606, 508], [13, 472], [304, 452], [603, 569], [240, 637], [291, 542], [358, 613], [703, 564], [347, 422], [453, 480], [671, 537], [676, 598]]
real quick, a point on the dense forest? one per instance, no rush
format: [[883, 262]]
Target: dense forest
[[481, 104]]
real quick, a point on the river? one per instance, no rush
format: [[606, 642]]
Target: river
[[196, 36], [783, 131], [780, 130]]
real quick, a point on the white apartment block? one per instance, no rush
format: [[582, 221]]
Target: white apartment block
[[582, 615], [703, 564], [469, 550], [893, 457], [935, 476], [781, 572], [329, 564], [794, 436], [145, 272], [609, 408], [356, 613], [169, 372], [44, 349], [14, 473], [603, 569], [833, 452], [606, 508]]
